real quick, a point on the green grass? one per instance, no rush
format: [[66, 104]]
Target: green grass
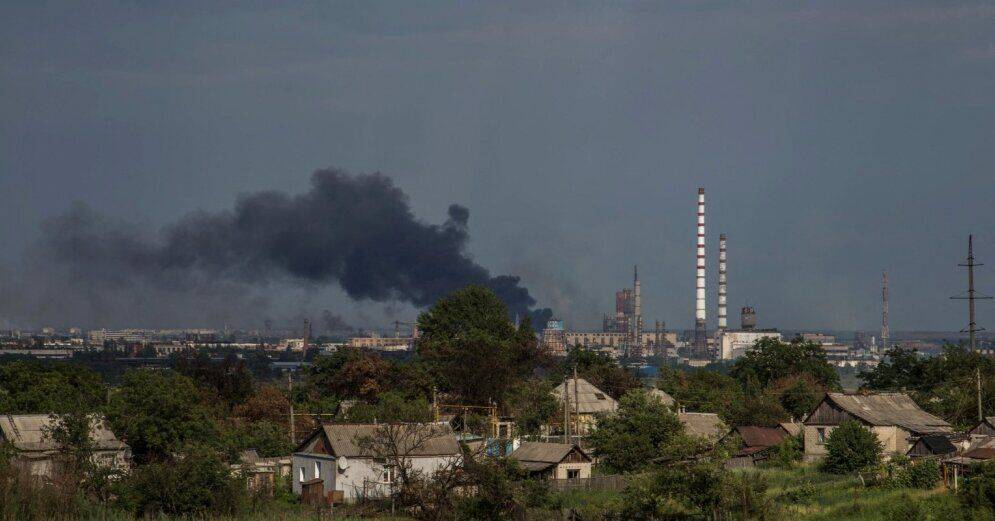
[[805, 493]]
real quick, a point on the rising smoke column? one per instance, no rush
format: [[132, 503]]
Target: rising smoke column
[[356, 231]]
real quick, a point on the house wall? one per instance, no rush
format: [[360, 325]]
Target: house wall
[[584, 467], [893, 438], [304, 464], [41, 464], [363, 475]]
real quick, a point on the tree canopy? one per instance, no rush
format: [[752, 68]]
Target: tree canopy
[[770, 360]]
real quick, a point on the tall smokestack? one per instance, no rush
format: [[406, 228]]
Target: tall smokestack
[[722, 282], [638, 307], [700, 343], [885, 333]]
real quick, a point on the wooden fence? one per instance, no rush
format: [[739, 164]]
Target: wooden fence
[[614, 483]]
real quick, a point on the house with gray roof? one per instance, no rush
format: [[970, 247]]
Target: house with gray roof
[[343, 461], [584, 401], [36, 451], [893, 417], [553, 460]]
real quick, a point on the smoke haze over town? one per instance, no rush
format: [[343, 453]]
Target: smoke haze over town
[[835, 142]]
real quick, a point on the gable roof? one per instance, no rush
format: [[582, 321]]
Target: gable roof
[[938, 444], [663, 396], [26, 432], [756, 436], [537, 456], [792, 428], [346, 439], [885, 409], [590, 399], [703, 424]]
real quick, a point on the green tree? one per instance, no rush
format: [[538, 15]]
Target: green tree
[[198, 483], [391, 406], [902, 369], [770, 360], [703, 391], [156, 413], [641, 431], [48, 387], [471, 347], [601, 370], [851, 447], [532, 404], [698, 490], [230, 379], [798, 394], [978, 490]]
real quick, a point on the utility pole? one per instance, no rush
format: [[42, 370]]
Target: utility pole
[[576, 429], [972, 325], [885, 331], [566, 409], [290, 392]]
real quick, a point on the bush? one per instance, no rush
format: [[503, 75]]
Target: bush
[[786, 453], [978, 490], [921, 474], [695, 490], [851, 447], [198, 483], [801, 494]]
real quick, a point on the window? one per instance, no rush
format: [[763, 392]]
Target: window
[[822, 434], [317, 469], [573, 473], [387, 475], [300, 474]]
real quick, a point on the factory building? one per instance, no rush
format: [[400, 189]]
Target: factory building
[[734, 343]]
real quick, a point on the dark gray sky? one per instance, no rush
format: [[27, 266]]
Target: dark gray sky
[[835, 139]]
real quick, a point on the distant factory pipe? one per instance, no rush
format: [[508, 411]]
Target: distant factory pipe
[[637, 308], [722, 282], [700, 343]]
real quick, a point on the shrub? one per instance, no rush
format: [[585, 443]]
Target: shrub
[[786, 453], [922, 474], [198, 483], [851, 447], [978, 490], [803, 493], [693, 491]]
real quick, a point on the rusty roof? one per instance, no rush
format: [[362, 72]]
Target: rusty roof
[[885, 409], [755, 436]]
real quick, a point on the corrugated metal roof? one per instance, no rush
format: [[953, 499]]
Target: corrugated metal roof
[[552, 453], [889, 409], [703, 424], [27, 432], [754, 436], [590, 399], [346, 439]]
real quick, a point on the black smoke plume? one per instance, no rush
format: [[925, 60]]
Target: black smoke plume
[[356, 231]]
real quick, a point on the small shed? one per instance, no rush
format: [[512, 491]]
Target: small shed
[[932, 445], [755, 442], [553, 460], [985, 427]]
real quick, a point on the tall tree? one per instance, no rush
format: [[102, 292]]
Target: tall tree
[[471, 347], [49, 387], [770, 359], [157, 413]]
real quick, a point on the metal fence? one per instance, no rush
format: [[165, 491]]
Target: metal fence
[[614, 483]]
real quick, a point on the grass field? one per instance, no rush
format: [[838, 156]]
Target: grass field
[[804, 493]]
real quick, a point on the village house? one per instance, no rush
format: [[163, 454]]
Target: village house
[[896, 420], [665, 398], [28, 434], [336, 463], [553, 460], [261, 473], [585, 403], [985, 427]]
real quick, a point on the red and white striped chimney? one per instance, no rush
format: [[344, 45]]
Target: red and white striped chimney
[[722, 282], [699, 309]]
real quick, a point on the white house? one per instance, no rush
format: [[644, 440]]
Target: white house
[[336, 461]]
